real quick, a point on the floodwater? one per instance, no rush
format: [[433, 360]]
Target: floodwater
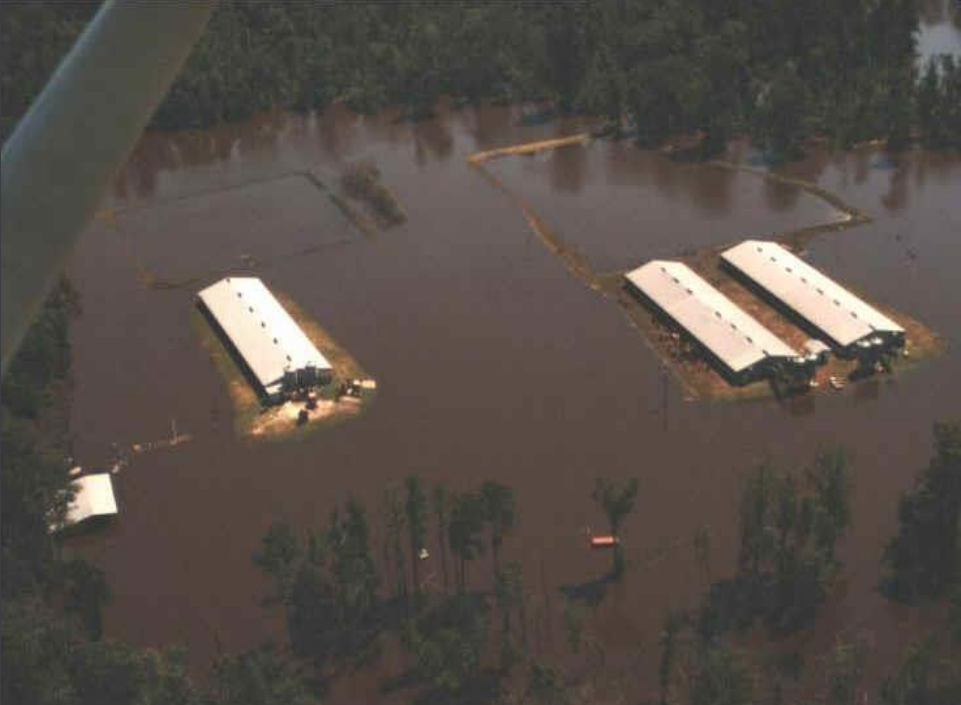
[[493, 361]]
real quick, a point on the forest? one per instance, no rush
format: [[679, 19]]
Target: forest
[[778, 71]]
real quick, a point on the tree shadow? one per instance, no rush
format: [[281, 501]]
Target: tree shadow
[[591, 592]]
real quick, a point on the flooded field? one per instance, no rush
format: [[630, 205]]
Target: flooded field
[[492, 361]]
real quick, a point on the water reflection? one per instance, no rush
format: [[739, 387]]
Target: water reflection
[[432, 138], [568, 168]]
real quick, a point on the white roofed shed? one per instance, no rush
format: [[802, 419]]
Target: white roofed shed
[[733, 336], [274, 348], [823, 303], [93, 497]]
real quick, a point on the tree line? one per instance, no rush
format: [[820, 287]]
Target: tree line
[[777, 70]]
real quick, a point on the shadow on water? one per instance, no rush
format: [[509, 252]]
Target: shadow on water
[[591, 592]]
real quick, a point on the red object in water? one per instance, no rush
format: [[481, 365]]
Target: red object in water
[[604, 541]]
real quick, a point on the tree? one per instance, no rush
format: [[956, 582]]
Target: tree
[[781, 115], [415, 508], [279, 555], [258, 677], [617, 503], [509, 593], [439, 497], [922, 559], [499, 511], [86, 594], [830, 478], [464, 531], [844, 668], [721, 678], [929, 108], [673, 623], [394, 518]]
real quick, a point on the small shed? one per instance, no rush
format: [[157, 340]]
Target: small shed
[[93, 497]]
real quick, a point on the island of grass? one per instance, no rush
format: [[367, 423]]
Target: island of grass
[[365, 198], [702, 380], [690, 366], [294, 418]]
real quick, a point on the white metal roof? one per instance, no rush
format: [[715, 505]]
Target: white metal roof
[[269, 340], [733, 335], [93, 496], [814, 296]]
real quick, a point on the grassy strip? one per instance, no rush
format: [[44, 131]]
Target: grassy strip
[[251, 418], [529, 148], [695, 375]]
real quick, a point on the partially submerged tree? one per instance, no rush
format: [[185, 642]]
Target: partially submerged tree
[[415, 508], [499, 512], [617, 503], [922, 560], [279, 555], [465, 530], [439, 501]]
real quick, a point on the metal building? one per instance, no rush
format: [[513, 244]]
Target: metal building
[[824, 305], [93, 497], [276, 352], [743, 347]]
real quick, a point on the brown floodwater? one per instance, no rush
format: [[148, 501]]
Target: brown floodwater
[[493, 362]]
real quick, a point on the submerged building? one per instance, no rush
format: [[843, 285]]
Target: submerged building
[[828, 309], [743, 349], [275, 351]]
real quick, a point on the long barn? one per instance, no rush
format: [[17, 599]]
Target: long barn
[[824, 305], [272, 347], [744, 348]]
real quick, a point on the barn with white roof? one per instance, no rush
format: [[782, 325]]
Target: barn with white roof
[[823, 305], [93, 497], [742, 347], [275, 351]]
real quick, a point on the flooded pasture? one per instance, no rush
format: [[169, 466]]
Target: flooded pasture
[[492, 361]]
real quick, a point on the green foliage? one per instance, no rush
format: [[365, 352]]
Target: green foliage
[[926, 677], [332, 596], [789, 529], [721, 678], [780, 69], [439, 505], [939, 104], [85, 594], [922, 560], [465, 529], [673, 623], [499, 512], [844, 668], [46, 661], [258, 677], [448, 644], [278, 558], [575, 615], [617, 503], [415, 508]]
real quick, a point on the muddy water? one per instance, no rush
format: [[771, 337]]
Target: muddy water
[[493, 361]]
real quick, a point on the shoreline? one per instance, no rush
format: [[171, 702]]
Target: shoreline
[[252, 419]]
